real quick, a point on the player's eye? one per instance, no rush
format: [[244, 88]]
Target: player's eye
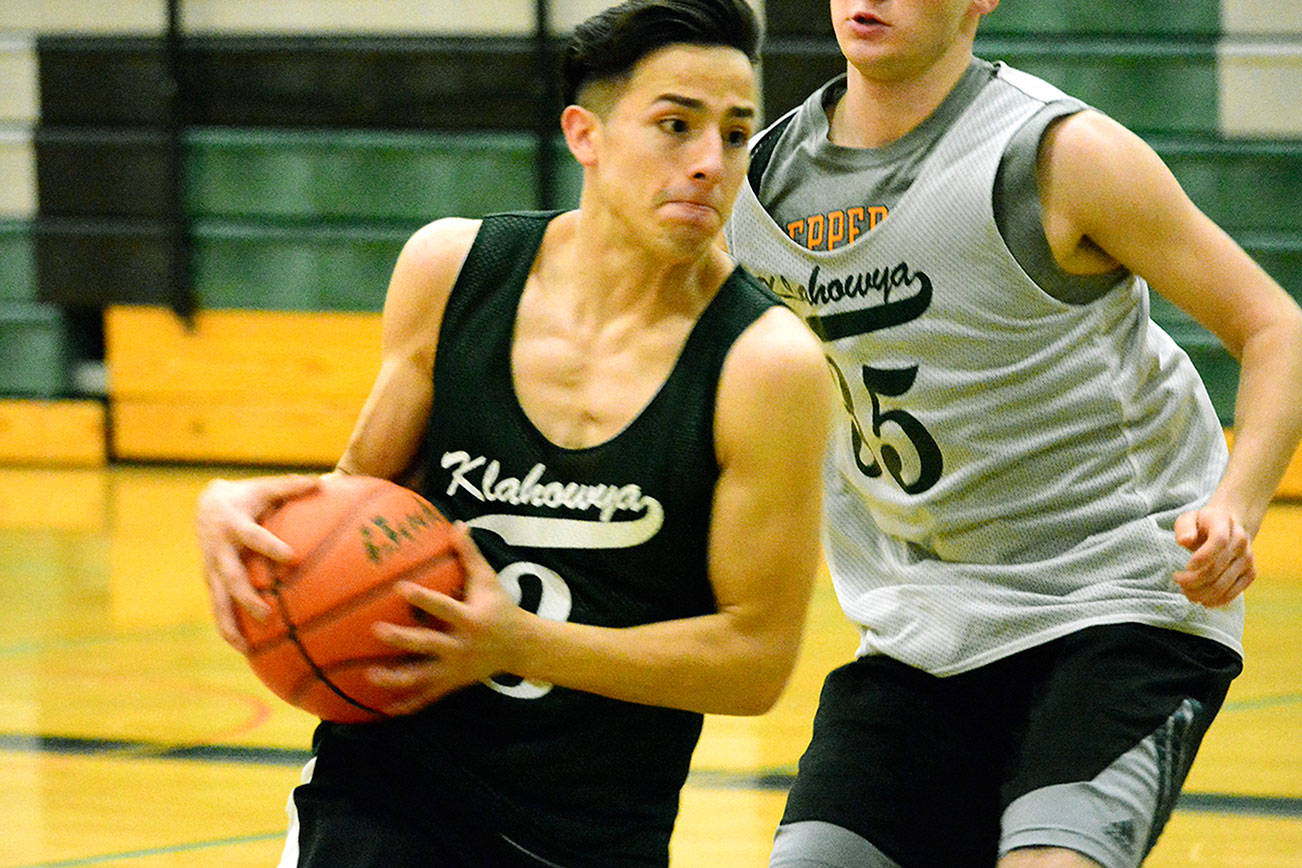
[[675, 126], [738, 138]]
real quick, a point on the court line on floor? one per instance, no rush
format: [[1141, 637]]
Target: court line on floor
[[107, 858], [1199, 803], [773, 780], [106, 747], [1261, 702]]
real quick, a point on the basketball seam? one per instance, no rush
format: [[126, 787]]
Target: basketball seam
[[291, 633], [346, 604], [292, 630], [318, 552]]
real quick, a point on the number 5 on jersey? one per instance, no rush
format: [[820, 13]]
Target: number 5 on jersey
[[892, 383]]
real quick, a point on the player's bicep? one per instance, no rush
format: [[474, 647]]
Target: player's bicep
[[1121, 197], [387, 435], [771, 428]]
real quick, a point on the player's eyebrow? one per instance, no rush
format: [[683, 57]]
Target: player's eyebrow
[[695, 104]]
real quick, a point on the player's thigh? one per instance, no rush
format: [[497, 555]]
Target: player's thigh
[[898, 758], [1110, 740]]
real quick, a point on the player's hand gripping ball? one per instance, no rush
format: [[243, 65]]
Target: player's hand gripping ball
[[354, 539]]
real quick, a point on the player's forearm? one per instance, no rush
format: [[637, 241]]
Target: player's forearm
[[710, 664], [1267, 418]]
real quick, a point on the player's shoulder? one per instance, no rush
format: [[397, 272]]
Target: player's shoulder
[[777, 352], [423, 277], [1031, 86], [775, 392], [441, 240], [1089, 142], [433, 256]]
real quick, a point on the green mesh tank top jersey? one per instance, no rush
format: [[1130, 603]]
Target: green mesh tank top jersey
[[613, 535]]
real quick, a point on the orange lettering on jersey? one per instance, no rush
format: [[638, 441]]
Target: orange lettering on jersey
[[854, 224], [835, 229], [817, 223], [796, 231]]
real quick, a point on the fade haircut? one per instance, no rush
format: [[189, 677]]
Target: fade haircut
[[605, 48]]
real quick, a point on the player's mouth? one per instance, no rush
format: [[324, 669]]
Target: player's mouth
[[866, 23], [694, 207], [690, 210]]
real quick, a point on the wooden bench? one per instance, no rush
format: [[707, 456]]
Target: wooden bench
[[255, 387], [52, 432]]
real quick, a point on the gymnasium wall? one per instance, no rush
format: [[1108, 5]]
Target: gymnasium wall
[[316, 134]]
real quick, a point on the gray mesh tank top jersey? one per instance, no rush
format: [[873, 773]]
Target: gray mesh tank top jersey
[[1009, 466]]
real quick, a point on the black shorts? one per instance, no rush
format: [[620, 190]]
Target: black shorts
[[357, 808], [382, 796], [1082, 743]]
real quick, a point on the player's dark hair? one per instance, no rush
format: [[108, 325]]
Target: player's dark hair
[[608, 45]]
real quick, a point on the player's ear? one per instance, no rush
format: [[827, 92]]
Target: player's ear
[[581, 127], [984, 7]]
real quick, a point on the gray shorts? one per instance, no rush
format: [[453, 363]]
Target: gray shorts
[[1082, 743]]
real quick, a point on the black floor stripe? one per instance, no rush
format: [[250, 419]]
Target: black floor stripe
[[1202, 803]]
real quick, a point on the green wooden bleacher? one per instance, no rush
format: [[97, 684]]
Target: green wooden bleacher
[[313, 220], [306, 219], [17, 269], [33, 335], [1033, 18], [309, 217], [34, 350]]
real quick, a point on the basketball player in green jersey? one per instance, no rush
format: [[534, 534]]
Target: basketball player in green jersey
[[631, 428], [1030, 510]]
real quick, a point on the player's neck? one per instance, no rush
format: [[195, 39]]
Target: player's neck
[[605, 281], [876, 111]]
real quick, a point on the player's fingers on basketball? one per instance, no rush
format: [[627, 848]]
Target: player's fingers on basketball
[[277, 489], [435, 603], [400, 677], [415, 640], [227, 575], [414, 686], [224, 615], [253, 536], [416, 701]]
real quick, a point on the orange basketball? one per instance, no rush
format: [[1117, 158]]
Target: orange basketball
[[354, 539]]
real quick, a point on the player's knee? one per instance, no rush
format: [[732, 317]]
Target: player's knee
[[1046, 857], [816, 844]]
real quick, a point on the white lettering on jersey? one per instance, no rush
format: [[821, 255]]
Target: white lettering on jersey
[[604, 531]]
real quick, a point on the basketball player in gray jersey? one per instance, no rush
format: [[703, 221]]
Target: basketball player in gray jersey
[[1031, 513], [631, 427]]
